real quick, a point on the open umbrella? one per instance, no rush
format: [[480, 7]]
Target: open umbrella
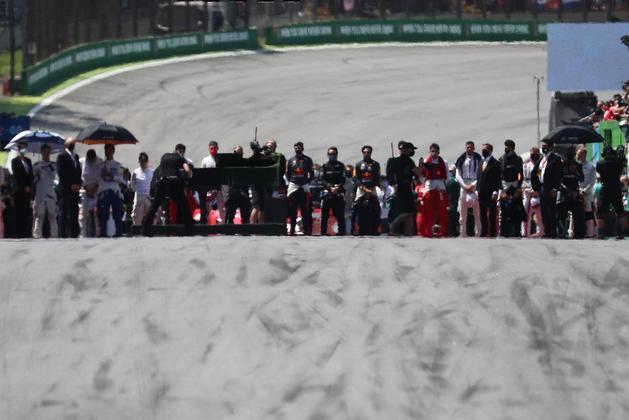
[[35, 139], [106, 134], [573, 134]]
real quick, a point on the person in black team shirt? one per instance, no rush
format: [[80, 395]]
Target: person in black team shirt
[[570, 200], [299, 171], [610, 170], [400, 172], [333, 196], [511, 207], [238, 196], [546, 181], [366, 207], [173, 169]]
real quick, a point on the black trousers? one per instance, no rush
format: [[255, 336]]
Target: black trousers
[[237, 199], [488, 210], [172, 188], [23, 227], [511, 216], [366, 212], [573, 205], [610, 197], [336, 203], [299, 200], [549, 214], [69, 215]]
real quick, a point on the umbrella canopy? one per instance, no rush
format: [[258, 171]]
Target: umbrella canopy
[[573, 134], [106, 134], [35, 140]]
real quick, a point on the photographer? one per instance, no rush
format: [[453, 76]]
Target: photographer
[[610, 169]]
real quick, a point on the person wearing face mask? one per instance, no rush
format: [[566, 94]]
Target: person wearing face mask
[[400, 173], [22, 169], [299, 171], [571, 200], [531, 197], [467, 176], [332, 178], [91, 170], [45, 202], [489, 183], [366, 210], [511, 210], [435, 200], [610, 170], [546, 181], [69, 168], [586, 188]]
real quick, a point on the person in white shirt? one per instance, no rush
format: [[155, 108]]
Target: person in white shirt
[[141, 184], [530, 198], [91, 169], [110, 196], [587, 190], [218, 195], [467, 176], [45, 202]]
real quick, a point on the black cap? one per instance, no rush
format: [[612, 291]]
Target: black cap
[[405, 145]]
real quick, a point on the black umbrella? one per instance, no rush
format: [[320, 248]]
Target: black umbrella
[[106, 134], [573, 134]]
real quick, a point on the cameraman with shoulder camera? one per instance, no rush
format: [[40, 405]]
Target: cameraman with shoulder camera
[[610, 170], [173, 169]]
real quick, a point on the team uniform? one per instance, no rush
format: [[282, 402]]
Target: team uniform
[[435, 198], [299, 171], [45, 202], [333, 175], [366, 212]]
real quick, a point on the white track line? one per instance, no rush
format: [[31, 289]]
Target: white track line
[[155, 63]]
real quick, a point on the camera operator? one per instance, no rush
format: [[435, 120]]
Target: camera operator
[[258, 193], [237, 197], [173, 171], [610, 170], [333, 198]]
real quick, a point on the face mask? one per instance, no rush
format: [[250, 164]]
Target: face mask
[[486, 153], [332, 158], [23, 150], [316, 174], [214, 152], [545, 150], [507, 151], [411, 153], [534, 158]]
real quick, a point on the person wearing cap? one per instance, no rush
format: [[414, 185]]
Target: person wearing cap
[[435, 200], [299, 172], [467, 175], [401, 171], [332, 178], [546, 181], [530, 201], [69, 169], [366, 210], [22, 169], [511, 208], [45, 202]]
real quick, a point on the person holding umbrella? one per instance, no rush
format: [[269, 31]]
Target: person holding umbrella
[[110, 196], [70, 172], [22, 169], [45, 202]]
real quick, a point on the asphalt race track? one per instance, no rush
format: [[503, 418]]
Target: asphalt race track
[[343, 97], [315, 328]]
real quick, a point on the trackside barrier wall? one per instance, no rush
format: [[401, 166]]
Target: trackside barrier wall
[[64, 65], [404, 31]]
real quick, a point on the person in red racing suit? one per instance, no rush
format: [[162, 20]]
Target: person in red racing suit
[[435, 200]]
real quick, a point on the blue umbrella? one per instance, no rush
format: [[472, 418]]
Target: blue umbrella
[[35, 140]]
